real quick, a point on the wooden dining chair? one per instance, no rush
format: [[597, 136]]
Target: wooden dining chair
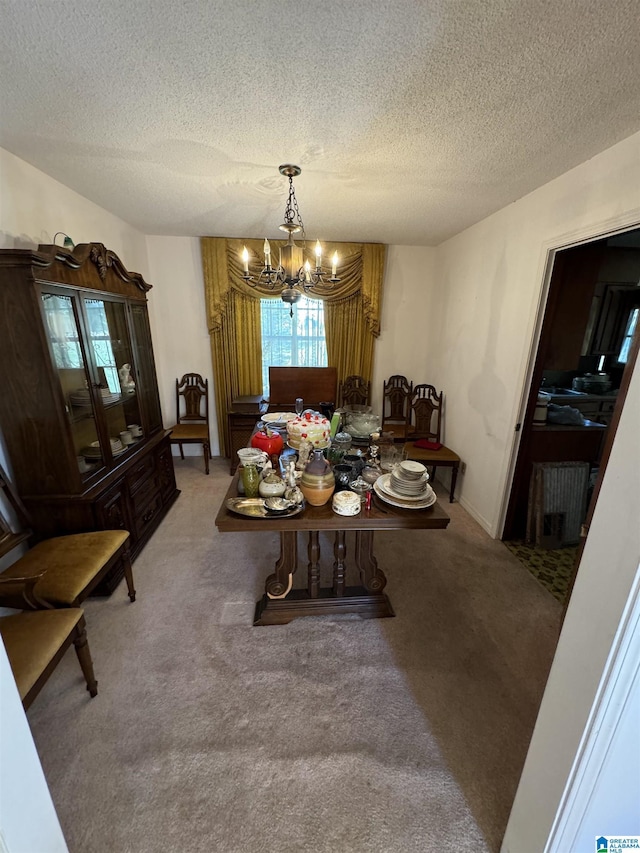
[[67, 568], [354, 390], [425, 430], [36, 641], [192, 415], [396, 400]]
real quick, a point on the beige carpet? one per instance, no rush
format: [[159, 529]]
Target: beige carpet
[[327, 734]]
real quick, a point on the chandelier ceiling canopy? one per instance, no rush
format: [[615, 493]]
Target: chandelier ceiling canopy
[[293, 275]]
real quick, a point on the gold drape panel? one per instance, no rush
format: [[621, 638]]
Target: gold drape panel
[[233, 314]]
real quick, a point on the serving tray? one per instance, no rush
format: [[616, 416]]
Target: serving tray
[[255, 508]]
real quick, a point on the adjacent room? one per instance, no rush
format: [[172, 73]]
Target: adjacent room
[[319, 426]]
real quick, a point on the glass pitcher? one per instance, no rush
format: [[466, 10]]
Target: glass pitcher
[[250, 480]]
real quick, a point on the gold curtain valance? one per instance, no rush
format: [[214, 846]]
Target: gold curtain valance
[[361, 267]]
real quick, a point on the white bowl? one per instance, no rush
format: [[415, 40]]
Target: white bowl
[[251, 454]]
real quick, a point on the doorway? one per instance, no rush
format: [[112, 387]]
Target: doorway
[[584, 350]]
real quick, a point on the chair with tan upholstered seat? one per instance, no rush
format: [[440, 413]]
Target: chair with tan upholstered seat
[[70, 567], [36, 641], [67, 568], [192, 413]]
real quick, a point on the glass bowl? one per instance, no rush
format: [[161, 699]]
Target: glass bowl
[[362, 423]]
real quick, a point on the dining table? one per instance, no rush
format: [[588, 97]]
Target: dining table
[[282, 602]]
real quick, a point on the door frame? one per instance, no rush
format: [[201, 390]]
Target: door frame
[[550, 248]]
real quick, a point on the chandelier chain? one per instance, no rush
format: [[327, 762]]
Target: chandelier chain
[[292, 205]]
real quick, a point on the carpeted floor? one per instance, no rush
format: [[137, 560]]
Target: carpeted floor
[[553, 568], [330, 734]]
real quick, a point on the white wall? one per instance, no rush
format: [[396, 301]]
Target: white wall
[[179, 323], [483, 311], [33, 207], [28, 821], [405, 322]]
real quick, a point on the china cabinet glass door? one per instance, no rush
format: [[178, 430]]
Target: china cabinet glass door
[[112, 355], [61, 324]]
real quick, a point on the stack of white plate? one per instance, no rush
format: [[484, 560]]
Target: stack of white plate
[[409, 479], [94, 451], [386, 492], [81, 397], [278, 420]]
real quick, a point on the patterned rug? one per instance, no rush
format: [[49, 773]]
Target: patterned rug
[[552, 568]]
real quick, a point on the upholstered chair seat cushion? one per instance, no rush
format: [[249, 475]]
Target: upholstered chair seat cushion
[[33, 639], [189, 432], [70, 564]]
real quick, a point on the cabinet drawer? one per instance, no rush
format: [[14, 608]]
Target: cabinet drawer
[[145, 493], [146, 515], [166, 473], [139, 475], [112, 509]]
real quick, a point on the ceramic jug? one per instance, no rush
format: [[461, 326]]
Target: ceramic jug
[[317, 482]]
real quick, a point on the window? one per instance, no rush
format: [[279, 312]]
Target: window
[[628, 336], [297, 341]]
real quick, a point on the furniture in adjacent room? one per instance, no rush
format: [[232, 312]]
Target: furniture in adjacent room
[[557, 503], [551, 443], [79, 411], [281, 603], [354, 391], [192, 414], [314, 384], [396, 401], [425, 430]]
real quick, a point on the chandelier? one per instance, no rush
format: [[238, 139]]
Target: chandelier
[[294, 275]]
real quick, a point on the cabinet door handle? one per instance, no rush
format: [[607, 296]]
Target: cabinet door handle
[[148, 515]]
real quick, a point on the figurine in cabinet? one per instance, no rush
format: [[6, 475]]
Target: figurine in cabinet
[[127, 384]]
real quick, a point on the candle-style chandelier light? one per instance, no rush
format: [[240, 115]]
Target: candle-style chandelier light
[[294, 275]]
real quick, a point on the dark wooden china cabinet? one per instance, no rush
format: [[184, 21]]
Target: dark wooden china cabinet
[[79, 407]]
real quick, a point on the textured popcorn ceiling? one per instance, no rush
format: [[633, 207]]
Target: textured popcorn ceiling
[[411, 120]]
